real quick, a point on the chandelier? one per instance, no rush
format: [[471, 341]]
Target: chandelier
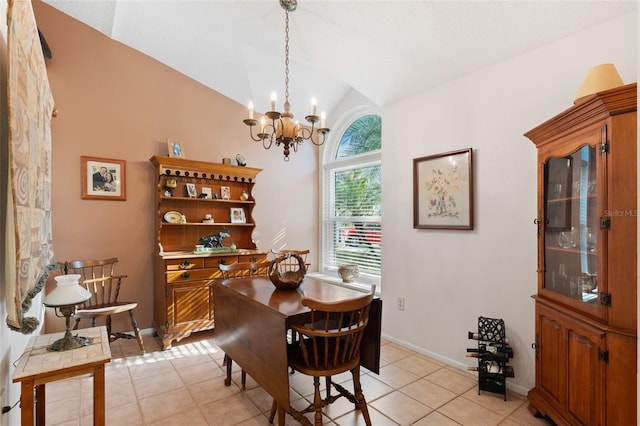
[[280, 128]]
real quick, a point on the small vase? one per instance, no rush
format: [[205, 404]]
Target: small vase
[[348, 273]]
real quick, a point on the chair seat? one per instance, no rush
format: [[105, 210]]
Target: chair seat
[[104, 310]]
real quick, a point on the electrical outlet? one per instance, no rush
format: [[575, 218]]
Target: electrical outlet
[[400, 304]]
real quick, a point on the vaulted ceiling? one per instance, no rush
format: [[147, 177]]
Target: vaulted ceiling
[[385, 50]]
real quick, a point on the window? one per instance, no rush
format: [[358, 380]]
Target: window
[[352, 199]]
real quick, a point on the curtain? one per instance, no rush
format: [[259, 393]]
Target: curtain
[[28, 241]]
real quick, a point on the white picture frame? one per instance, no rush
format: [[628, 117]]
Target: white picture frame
[[207, 192], [237, 215], [225, 192], [191, 190]]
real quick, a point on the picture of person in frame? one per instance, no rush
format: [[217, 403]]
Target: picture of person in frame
[[99, 178]]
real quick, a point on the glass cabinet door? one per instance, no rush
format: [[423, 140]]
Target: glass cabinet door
[[572, 227]]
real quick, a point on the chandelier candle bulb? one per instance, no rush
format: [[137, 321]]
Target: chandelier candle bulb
[[250, 110], [263, 122], [274, 98], [314, 105], [323, 118]]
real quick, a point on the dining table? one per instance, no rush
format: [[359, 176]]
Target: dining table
[[252, 320]]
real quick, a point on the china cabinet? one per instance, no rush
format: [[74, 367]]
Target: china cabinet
[[205, 204], [586, 319]]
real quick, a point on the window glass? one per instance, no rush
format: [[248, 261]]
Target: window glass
[[352, 217]]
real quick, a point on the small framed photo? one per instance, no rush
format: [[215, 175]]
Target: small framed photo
[[191, 190], [103, 179], [237, 215], [175, 148], [225, 193], [206, 193], [443, 191]]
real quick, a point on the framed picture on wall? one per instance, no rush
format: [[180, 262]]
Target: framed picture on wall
[[176, 149], [443, 191], [103, 178], [237, 215]]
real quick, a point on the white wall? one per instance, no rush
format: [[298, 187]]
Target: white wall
[[449, 278]]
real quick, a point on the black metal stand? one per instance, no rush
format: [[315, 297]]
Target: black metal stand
[[493, 354]]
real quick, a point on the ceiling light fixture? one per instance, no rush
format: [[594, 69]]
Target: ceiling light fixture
[[282, 129]]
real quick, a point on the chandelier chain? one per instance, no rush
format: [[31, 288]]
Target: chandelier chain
[[286, 58]]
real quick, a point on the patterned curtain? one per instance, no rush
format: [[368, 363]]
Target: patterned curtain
[[28, 246]]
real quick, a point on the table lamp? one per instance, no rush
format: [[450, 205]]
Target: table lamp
[[64, 298]]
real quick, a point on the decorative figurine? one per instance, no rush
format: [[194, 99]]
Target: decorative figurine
[[241, 161], [214, 240]]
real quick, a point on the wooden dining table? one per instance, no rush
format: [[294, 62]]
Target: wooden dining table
[[251, 322]]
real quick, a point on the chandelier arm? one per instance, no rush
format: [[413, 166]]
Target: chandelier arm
[[256, 139], [264, 141]]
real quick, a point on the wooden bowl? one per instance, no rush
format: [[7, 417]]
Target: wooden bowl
[[287, 279]]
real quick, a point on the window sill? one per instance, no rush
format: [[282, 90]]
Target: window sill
[[356, 285]]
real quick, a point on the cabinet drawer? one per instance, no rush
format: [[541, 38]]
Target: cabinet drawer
[[258, 257], [213, 262], [192, 275], [185, 264]]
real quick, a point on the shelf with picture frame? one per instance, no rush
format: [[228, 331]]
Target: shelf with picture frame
[[195, 189]]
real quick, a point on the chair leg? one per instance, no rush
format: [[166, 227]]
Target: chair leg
[[136, 331], [357, 391], [317, 402], [75, 326], [328, 385], [108, 324], [244, 379], [274, 408]]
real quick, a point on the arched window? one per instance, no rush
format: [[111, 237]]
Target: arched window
[[352, 198]]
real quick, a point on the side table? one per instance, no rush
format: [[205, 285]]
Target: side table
[[38, 366]]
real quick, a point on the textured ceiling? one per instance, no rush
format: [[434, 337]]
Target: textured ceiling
[[384, 49]]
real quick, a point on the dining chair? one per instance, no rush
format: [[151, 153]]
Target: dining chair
[[240, 270], [244, 269], [329, 344], [292, 264], [98, 276]]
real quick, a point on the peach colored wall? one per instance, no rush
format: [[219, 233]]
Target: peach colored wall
[[115, 102]]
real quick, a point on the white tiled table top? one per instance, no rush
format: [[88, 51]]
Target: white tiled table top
[[37, 360]]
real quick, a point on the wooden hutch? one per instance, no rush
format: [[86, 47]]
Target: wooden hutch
[[187, 194], [586, 305]]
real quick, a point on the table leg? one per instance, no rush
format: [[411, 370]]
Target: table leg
[[41, 403], [281, 414], [26, 403], [98, 396]]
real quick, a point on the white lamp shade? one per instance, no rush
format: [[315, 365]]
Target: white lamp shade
[[67, 292], [599, 78]]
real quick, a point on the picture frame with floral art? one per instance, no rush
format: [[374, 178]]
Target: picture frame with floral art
[[443, 191], [103, 179]]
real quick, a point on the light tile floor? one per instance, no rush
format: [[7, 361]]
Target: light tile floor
[[185, 386]]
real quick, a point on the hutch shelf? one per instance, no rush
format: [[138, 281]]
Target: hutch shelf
[[197, 199], [586, 315]]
